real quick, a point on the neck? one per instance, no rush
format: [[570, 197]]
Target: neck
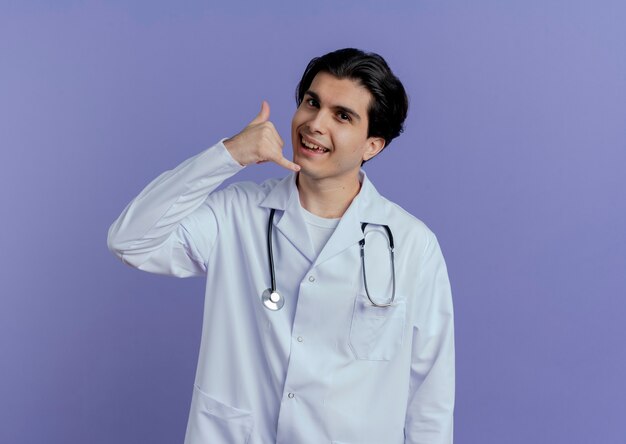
[[329, 199]]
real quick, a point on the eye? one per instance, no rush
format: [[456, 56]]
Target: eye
[[312, 102], [344, 116]]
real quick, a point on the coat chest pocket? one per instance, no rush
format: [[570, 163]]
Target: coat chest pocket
[[376, 333], [215, 422]]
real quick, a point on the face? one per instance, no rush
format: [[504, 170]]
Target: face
[[329, 129]]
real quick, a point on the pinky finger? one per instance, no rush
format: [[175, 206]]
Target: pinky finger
[[288, 164]]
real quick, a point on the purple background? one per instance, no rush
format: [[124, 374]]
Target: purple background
[[514, 154]]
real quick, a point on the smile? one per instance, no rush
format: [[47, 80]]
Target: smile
[[313, 147]]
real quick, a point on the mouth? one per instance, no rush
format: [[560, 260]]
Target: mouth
[[312, 147]]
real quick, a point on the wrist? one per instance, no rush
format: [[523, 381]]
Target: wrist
[[231, 147]]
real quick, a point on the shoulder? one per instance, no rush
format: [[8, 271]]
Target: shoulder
[[378, 209], [402, 222], [251, 189], [414, 240], [240, 195]]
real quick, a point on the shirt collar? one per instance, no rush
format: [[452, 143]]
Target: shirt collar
[[368, 205]]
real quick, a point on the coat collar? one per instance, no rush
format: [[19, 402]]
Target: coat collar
[[368, 206]]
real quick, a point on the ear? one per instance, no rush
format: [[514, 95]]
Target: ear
[[374, 146]]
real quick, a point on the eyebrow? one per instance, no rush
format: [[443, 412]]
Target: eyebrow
[[343, 109]]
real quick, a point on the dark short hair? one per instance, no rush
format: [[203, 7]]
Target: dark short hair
[[388, 110]]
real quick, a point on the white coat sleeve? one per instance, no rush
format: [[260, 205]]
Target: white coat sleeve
[[429, 418], [166, 229]]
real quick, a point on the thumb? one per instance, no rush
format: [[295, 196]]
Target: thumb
[[263, 115]]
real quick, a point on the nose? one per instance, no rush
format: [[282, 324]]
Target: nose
[[318, 122]]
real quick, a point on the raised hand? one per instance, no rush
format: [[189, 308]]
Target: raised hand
[[259, 142]]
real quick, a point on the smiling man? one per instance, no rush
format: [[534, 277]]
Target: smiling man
[[328, 315]]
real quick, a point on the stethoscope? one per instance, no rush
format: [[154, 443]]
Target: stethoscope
[[273, 300]]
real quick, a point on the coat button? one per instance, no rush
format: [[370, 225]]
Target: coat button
[[291, 395], [300, 339], [311, 278]]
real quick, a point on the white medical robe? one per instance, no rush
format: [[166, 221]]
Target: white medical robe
[[328, 367]]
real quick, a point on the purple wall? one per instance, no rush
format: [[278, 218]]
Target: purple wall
[[514, 154]]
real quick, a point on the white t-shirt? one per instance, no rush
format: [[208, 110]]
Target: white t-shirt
[[320, 229]]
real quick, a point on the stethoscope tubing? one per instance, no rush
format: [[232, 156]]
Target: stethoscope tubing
[[273, 300], [270, 252], [393, 267]]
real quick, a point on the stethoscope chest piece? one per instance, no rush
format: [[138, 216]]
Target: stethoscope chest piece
[[272, 300]]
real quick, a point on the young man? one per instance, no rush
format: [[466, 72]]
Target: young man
[[316, 330]]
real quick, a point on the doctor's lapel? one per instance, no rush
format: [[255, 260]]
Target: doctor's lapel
[[289, 219], [347, 233], [368, 206]]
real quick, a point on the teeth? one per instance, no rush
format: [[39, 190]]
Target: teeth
[[312, 146]]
